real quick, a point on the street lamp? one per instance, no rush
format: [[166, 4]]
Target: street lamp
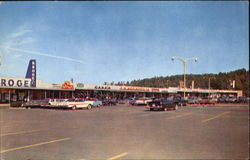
[[184, 61]]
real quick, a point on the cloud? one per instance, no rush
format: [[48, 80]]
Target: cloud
[[43, 54], [26, 41], [17, 56], [16, 39], [20, 33]]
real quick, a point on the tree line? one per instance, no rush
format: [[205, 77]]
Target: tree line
[[236, 80]]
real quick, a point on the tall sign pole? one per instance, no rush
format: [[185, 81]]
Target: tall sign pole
[[184, 61]]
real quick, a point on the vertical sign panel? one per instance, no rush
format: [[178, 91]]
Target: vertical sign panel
[[31, 72]]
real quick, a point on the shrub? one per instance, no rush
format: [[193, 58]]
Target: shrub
[[16, 104]]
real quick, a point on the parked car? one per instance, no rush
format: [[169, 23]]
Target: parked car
[[93, 102], [56, 102], [193, 100], [242, 100], [132, 101], [221, 100], [75, 103], [123, 101], [36, 103], [163, 104], [207, 100], [142, 101], [109, 102], [231, 99], [181, 100]]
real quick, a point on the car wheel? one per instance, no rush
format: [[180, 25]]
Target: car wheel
[[89, 106]]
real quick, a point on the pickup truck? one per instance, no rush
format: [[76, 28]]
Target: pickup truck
[[164, 104]]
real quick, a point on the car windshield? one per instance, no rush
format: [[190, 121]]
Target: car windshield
[[70, 100], [60, 100], [79, 100], [90, 99]]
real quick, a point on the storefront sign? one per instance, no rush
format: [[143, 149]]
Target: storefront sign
[[15, 82], [155, 90], [56, 86], [67, 85], [80, 85], [31, 72], [136, 88], [102, 87]]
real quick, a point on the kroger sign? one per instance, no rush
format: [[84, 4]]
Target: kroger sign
[[15, 82]]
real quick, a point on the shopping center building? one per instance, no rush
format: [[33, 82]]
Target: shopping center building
[[29, 88]]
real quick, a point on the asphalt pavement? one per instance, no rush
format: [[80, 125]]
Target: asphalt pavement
[[125, 132]]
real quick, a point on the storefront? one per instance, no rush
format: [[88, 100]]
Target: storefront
[[20, 89], [29, 88]]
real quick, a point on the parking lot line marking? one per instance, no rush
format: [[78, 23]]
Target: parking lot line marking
[[34, 145], [20, 132], [181, 115], [118, 156], [217, 116], [10, 125]]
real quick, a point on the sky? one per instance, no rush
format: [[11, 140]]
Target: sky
[[100, 41]]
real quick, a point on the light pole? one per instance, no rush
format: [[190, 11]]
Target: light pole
[[209, 83], [184, 61]]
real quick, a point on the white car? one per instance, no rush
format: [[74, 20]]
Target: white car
[[56, 102], [76, 103], [82, 103], [142, 101], [93, 102]]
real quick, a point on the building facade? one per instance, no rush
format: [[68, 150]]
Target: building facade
[[29, 88]]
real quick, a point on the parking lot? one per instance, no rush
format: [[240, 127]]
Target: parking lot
[[125, 132]]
